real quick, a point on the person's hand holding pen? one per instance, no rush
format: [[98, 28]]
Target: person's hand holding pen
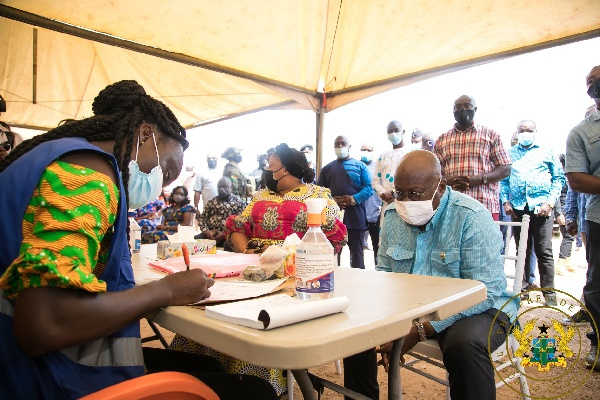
[[189, 286], [186, 287]]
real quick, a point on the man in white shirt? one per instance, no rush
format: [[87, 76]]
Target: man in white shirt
[[206, 182], [386, 163]]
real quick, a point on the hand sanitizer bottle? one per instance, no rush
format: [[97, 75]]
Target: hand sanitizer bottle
[[315, 258]]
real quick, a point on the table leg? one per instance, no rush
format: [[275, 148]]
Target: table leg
[[394, 371], [306, 387]]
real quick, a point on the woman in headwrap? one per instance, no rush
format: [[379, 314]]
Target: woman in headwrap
[[279, 210], [274, 213]]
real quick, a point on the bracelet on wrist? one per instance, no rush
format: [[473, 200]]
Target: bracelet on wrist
[[421, 331]]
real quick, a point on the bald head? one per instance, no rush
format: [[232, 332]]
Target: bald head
[[224, 182], [341, 141], [419, 165], [526, 125], [465, 100], [394, 126], [367, 146]]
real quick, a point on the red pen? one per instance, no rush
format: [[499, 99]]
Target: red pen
[[186, 256]]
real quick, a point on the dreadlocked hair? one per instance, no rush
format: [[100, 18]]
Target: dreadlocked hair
[[119, 109]]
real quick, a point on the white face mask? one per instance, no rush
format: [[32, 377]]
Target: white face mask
[[342, 152], [417, 213], [366, 156], [143, 187], [395, 138], [178, 198], [525, 138], [309, 157]]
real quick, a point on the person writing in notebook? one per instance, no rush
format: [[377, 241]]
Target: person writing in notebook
[[69, 306]]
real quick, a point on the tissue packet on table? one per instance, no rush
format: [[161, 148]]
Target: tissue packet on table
[[166, 249]]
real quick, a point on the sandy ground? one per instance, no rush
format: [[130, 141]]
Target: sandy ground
[[571, 382]]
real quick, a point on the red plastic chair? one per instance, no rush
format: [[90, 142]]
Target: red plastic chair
[[157, 386]]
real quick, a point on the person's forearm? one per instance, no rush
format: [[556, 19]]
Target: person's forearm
[[584, 183], [239, 241], [188, 219], [50, 319], [196, 199], [498, 173]]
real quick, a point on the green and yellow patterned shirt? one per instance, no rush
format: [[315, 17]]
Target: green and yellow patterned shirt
[[67, 229]]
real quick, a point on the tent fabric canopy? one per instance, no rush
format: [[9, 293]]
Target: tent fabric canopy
[[212, 59]]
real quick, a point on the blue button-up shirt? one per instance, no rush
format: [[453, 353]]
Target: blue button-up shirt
[[461, 241], [536, 177]]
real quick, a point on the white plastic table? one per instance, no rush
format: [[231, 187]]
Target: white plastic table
[[382, 308]]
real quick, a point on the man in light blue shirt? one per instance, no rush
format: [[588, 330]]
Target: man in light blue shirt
[[533, 187], [583, 172], [433, 230]]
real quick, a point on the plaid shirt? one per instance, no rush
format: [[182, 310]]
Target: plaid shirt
[[476, 151]]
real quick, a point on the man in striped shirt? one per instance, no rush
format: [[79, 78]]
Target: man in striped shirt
[[472, 157]]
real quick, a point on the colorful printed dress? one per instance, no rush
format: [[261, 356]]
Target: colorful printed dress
[[142, 213], [173, 216], [270, 218]]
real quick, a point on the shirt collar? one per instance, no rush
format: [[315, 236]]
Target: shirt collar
[[596, 114], [534, 145], [469, 129], [440, 210]]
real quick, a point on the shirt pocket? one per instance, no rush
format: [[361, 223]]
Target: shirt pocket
[[446, 262], [401, 259]]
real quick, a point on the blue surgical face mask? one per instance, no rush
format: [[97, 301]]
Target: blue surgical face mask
[[525, 138], [143, 187], [395, 138], [366, 156]]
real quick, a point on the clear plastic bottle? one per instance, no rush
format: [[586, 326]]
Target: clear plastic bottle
[[315, 257], [135, 235]]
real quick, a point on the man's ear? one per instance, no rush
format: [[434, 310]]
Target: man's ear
[[442, 187], [475, 109]]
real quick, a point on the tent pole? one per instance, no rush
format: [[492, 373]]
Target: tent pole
[[34, 74], [320, 122]]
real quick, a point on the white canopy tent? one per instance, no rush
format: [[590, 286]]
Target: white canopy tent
[[215, 59]]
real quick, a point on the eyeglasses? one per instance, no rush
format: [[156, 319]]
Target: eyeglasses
[[414, 196]]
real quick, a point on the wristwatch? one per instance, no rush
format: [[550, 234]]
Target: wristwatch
[[421, 330], [352, 201], [484, 179]]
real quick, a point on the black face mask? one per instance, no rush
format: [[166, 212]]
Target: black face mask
[[594, 90], [212, 164], [223, 194], [270, 181], [464, 117]]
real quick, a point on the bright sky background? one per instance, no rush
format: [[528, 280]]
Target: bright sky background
[[547, 86]]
